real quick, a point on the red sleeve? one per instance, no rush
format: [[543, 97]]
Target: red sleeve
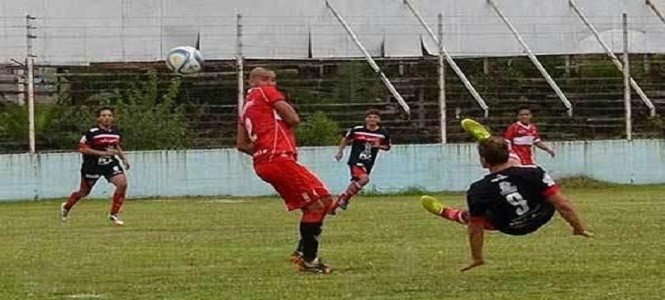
[[536, 135], [510, 133], [551, 190], [271, 94]]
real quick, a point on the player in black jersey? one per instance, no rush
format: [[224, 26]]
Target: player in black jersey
[[100, 147], [366, 141], [515, 200]]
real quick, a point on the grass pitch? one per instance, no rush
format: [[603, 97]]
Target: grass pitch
[[384, 247]]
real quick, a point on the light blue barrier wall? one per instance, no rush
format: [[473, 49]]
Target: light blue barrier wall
[[227, 172]]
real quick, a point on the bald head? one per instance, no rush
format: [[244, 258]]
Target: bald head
[[261, 76]]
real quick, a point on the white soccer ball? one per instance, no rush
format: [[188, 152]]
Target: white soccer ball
[[184, 60]]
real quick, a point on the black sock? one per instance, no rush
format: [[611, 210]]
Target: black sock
[[309, 238], [299, 247]]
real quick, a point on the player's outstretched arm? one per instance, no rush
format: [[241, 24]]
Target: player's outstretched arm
[[566, 210], [243, 143], [122, 156], [476, 232], [544, 146], [287, 112], [340, 150]]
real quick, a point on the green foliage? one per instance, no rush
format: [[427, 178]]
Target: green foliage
[[14, 124], [318, 130], [150, 120]]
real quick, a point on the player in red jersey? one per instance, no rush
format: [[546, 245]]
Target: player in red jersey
[[523, 135], [265, 131], [101, 148]]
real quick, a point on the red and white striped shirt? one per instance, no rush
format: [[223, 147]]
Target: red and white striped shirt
[[521, 138]]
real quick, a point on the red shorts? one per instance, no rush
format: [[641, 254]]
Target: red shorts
[[358, 171], [297, 185]]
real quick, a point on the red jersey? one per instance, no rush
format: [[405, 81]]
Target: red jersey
[[521, 139], [272, 137]]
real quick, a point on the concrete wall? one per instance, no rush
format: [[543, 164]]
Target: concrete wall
[[226, 172]]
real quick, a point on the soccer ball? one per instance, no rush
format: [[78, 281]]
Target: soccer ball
[[184, 60]]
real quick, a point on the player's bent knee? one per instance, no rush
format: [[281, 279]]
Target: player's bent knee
[[316, 212]]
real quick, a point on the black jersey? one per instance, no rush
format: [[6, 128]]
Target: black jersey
[[100, 139], [514, 200], [362, 139]]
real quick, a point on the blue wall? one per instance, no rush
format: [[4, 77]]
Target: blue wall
[[227, 172]]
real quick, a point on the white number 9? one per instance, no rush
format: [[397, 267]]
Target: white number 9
[[521, 206]]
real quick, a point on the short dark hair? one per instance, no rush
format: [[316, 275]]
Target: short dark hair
[[521, 108], [373, 111], [494, 150], [103, 108]]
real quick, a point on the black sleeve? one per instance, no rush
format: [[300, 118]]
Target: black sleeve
[[387, 140], [349, 133], [86, 139], [476, 200], [543, 181]]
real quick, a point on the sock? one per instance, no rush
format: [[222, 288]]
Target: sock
[[73, 198], [309, 236], [118, 199], [299, 247], [353, 189], [455, 215]]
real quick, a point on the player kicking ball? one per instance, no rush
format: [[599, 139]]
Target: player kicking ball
[[512, 199]]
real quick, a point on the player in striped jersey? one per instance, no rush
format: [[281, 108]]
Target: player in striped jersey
[[366, 141], [523, 135], [100, 147]]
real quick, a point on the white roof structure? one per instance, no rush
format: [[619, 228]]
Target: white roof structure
[[83, 31]]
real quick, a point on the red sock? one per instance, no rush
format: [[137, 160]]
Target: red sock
[[118, 199], [455, 215], [353, 189], [73, 198]]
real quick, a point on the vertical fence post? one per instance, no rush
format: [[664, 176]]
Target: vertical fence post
[[240, 64], [626, 81], [613, 57], [449, 58], [30, 65], [442, 81]]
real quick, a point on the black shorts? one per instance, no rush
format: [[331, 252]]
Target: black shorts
[[525, 224], [107, 169]]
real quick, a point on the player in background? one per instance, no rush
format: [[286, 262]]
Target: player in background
[[515, 200], [480, 133], [266, 132], [100, 147], [366, 141], [523, 135]]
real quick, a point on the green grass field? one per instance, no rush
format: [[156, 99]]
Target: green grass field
[[382, 248]]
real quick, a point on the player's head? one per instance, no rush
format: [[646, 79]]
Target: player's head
[[105, 116], [493, 152], [524, 115], [372, 117], [262, 77]]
